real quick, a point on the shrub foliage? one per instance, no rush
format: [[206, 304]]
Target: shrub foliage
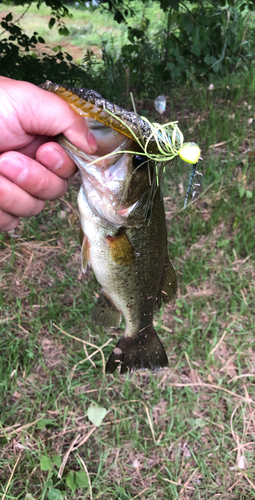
[[199, 40]]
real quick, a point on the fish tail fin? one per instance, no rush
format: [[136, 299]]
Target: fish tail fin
[[141, 352]]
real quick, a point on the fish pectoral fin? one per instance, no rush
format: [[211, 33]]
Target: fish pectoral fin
[[104, 312], [80, 236], [122, 251], [84, 250], [140, 352], [169, 288]]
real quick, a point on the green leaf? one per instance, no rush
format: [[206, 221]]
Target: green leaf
[[52, 22], [187, 23], [208, 59], [45, 463], [179, 303], [54, 494], [119, 17], [176, 72], [56, 459], [170, 66], [81, 479], [57, 48], [165, 4], [29, 497], [198, 422], [222, 243], [70, 481], [128, 49], [248, 194], [8, 18], [63, 31], [196, 49], [96, 414], [43, 422], [241, 191], [217, 66]]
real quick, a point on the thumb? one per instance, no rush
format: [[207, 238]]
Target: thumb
[[56, 117], [44, 113]]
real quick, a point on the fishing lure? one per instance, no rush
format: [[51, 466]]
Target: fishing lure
[[160, 143], [193, 175]]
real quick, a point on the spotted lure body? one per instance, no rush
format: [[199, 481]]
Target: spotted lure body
[[161, 143], [90, 103]]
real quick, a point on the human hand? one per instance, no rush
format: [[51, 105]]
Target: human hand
[[32, 169]]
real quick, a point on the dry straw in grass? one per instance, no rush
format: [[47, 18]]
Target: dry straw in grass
[[10, 478], [98, 349]]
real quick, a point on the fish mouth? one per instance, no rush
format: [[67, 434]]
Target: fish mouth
[[103, 171], [105, 179]]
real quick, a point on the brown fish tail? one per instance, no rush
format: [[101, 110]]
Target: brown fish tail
[[141, 352]]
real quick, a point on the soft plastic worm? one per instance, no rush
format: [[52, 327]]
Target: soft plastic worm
[[92, 104]]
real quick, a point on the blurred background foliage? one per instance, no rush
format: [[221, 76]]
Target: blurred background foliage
[[164, 43]]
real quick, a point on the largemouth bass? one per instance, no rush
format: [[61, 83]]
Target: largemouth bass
[[124, 239]]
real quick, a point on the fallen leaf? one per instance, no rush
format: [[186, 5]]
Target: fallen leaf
[[241, 463], [96, 414]]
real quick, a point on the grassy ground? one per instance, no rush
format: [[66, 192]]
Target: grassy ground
[[184, 433], [89, 29]]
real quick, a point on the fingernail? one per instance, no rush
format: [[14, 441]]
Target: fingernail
[[92, 142], [13, 167], [52, 158]]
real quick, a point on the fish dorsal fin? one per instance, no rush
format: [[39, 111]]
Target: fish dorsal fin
[[169, 288], [84, 250], [104, 312], [122, 252]]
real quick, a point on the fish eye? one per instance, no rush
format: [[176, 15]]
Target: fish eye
[[140, 161]]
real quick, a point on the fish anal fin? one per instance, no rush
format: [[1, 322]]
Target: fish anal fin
[[105, 313], [141, 352], [84, 250], [121, 249], [169, 287]]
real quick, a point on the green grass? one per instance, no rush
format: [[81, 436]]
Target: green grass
[[176, 434], [88, 29]]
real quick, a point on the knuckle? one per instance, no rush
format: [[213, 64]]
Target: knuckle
[[43, 185], [38, 207], [63, 188], [50, 186]]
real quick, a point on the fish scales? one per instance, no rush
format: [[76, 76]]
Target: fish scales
[[124, 239]]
